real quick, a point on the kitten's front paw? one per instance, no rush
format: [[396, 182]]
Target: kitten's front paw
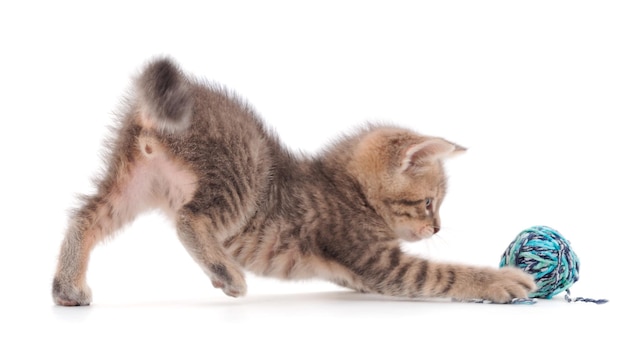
[[66, 294], [507, 283]]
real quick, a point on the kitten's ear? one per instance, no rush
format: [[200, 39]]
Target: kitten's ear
[[430, 150]]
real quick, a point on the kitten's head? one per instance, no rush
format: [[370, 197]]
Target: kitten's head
[[403, 178]]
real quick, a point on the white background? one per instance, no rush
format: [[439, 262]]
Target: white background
[[535, 89]]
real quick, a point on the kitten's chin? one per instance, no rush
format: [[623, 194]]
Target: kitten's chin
[[416, 234]]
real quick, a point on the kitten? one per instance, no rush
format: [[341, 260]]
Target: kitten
[[240, 200]]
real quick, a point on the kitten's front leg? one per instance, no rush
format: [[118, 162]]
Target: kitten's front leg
[[386, 270], [432, 279], [499, 285]]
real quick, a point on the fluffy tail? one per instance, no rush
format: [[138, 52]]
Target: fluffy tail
[[165, 96]]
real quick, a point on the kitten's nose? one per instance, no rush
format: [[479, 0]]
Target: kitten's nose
[[435, 230]]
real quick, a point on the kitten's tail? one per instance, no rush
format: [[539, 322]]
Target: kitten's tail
[[165, 96]]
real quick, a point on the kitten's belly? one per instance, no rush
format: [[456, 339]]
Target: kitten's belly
[[273, 254], [162, 184]]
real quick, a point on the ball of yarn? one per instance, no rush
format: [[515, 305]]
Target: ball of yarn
[[544, 253]]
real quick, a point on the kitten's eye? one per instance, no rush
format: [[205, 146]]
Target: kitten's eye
[[428, 202]]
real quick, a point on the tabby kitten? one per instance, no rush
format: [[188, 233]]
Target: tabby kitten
[[240, 200]]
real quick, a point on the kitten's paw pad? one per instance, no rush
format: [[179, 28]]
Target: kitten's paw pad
[[234, 288], [509, 283], [230, 280], [66, 294], [217, 283], [235, 291]]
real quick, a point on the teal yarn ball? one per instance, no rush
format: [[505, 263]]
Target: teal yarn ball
[[548, 256]]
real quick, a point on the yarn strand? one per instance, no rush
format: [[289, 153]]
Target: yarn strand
[[581, 299]]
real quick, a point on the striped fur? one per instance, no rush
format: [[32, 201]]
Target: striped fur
[[243, 202]]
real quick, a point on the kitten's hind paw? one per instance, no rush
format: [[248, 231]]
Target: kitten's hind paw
[[231, 282], [230, 290], [234, 291], [66, 294]]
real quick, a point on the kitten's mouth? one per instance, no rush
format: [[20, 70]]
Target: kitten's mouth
[[416, 234], [425, 232]]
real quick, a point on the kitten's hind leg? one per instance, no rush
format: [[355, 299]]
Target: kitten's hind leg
[[119, 199], [195, 232]]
